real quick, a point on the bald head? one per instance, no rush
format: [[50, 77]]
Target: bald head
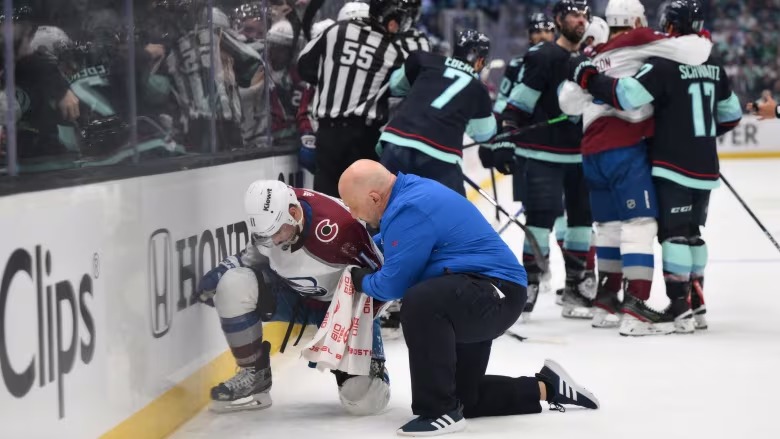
[[365, 188]]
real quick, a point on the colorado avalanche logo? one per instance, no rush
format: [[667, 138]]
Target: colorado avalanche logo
[[325, 231]]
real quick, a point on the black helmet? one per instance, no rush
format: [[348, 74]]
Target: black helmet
[[540, 22], [402, 11], [563, 7], [471, 45], [687, 16]]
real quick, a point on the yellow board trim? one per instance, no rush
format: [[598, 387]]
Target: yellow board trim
[[169, 411], [172, 409], [749, 155]]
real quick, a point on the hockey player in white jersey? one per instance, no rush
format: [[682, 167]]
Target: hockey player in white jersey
[[616, 164], [301, 242]]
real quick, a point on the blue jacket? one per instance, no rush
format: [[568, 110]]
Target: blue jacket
[[428, 230]]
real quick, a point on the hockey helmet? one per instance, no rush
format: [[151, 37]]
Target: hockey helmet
[[267, 205], [687, 17], [50, 38], [624, 13], [539, 22], [353, 11], [281, 33], [598, 30], [564, 7], [471, 45], [402, 11]]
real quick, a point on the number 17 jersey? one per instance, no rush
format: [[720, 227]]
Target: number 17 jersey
[[444, 99]]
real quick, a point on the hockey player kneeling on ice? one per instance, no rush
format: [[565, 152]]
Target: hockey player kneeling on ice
[[462, 287], [301, 243]]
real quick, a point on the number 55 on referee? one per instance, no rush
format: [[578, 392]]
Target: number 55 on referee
[[350, 64]]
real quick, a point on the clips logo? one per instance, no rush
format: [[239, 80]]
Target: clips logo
[[58, 342]]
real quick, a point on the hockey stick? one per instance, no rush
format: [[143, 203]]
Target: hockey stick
[[509, 223], [517, 132], [495, 192], [308, 17], [750, 212], [541, 261]]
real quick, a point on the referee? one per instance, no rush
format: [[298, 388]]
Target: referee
[[350, 65]]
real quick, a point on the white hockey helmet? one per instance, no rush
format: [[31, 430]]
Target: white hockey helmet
[[598, 29], [623, 13], [353, 11], [267, 205], [319, 27], [281, 33], [50, 38], [364, 395]]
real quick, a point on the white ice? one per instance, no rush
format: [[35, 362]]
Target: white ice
[[719, 383]]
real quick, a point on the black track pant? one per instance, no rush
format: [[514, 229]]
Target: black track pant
[[449, 325]]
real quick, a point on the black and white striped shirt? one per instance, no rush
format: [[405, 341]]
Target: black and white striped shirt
[[414, 40], [350, 65]]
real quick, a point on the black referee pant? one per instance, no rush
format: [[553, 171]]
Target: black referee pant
[[341, 142], [449, 325]]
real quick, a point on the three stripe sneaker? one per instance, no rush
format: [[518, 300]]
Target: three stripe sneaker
[[562, 389], [447, 423]]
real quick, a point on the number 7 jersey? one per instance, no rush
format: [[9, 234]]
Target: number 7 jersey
[[444, 99]]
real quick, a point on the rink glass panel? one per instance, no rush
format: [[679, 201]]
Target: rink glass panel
[[107, 89]]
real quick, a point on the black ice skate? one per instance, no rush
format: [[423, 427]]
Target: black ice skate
[[248, 389], [697, 305], [639, 319], [533, 294], [679, 312], [578, 296], [606, 310]]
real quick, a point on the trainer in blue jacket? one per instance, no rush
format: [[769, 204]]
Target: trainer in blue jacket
[[462, 287]]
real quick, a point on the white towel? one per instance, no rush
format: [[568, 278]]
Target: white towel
[[344, 339]]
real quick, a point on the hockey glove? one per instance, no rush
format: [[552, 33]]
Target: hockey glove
[[358, 273], [504, 157], [583, 72], [207, 287], [486, 156], [307, 154]]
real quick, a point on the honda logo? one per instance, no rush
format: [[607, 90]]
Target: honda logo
[[160, 282]]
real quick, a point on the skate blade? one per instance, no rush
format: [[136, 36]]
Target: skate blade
[[637, 328], [258, 401], [603, 319], [578, 312], [686, 326]]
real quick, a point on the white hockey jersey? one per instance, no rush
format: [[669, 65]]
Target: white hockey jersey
[[604, 126], [331, 241]]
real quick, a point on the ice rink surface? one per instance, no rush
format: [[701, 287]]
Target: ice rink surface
[[719, 383]]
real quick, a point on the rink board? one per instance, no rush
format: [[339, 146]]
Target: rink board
[[136, 365], [98, 335]]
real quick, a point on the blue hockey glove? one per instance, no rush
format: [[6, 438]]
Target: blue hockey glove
[[207, 287]]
